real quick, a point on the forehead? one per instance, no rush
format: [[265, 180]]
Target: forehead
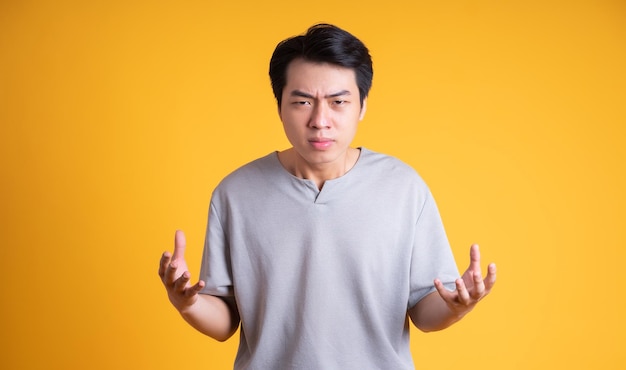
[[314, 76]]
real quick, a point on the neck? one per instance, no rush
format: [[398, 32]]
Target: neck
[[319, 173]]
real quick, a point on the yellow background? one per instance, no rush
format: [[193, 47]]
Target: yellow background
[[118, 118]]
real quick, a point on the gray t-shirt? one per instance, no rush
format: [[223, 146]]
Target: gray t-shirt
[[323, 279]]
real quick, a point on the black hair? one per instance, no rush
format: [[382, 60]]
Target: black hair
[[323, 43]]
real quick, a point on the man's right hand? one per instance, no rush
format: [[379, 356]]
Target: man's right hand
[[175, 276]]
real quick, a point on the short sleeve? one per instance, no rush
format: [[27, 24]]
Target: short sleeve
[[431, 256], [216, 270]]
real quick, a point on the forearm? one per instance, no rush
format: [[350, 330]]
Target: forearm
[[212, 316], [432, 314]]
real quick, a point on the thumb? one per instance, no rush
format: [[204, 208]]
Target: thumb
[[179, 245]]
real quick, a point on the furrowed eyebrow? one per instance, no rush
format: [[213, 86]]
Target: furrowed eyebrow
[[302, 94], [340, 93]]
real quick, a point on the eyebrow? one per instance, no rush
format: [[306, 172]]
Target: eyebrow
[[302, 94]]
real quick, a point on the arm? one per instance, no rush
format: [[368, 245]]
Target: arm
[[443, 308], [211, 315]]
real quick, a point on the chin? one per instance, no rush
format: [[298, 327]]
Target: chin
[[322, 157]]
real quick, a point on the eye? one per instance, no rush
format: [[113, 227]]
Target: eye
[[340, 102], [301, 102]]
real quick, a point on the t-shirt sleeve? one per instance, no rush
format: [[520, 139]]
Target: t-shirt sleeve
[[215, 270], [432, 257]]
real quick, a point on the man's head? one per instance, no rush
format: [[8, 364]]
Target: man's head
[[322, 43]]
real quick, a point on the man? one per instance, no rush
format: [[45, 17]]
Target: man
[[323, 251]]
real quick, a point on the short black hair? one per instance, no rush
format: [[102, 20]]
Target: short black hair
[[322, 43]]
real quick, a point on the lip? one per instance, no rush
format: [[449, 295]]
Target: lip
[[321, 143]]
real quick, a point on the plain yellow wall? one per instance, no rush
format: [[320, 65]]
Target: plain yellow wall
[[118, 118]]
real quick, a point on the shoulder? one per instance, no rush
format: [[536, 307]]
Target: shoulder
[[389, 167], [394, 178], [250, 175]]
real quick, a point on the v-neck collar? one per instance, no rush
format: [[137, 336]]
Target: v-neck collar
[[324, 195]]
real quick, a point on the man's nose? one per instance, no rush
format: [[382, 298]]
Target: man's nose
[[320, 118]]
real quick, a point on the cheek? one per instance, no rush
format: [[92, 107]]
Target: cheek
[[291, 127], [351, 124], [353, 130], [293, 119]]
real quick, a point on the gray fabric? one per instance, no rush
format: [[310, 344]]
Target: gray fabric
[[323, 280]]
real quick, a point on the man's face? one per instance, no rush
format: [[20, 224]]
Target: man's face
[[320, 111]]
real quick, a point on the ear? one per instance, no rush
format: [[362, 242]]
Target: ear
[[363, 109]]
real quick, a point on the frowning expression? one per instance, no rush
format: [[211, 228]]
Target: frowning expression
[[320, 110]]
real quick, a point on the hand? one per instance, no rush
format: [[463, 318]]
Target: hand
[[175, 276], [470, 288]]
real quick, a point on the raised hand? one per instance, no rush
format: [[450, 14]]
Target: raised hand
[[471, 287], [175, 275]]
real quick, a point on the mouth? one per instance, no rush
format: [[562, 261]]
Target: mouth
[[321, 143]]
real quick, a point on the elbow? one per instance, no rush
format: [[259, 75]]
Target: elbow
[[222, 338], [225, 335], [422, 326], [428, 328]]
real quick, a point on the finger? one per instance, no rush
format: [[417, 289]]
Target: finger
[[474, 258], [479, 286], [182, 285], [490, 279], [165, 260], [447, 295], [463, 294], [170, 273], [195, 289], [182, 282], [179, 245]]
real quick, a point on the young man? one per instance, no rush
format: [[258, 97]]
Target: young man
[[323, 251]]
